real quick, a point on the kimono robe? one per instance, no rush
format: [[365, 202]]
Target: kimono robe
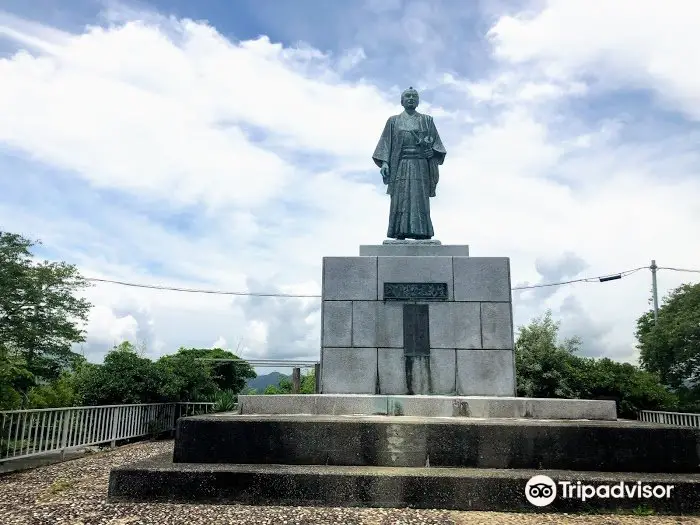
[[412, 176]]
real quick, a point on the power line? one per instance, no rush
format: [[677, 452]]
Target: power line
[[194, 290], [600, 278], [678, 269]]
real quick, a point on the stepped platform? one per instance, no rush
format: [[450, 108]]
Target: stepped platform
[[454, 463], [402, 441], [428, 406], [161, 480]]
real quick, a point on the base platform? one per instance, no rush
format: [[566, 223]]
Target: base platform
[[430, 247], [161, 480], [428, 406], [402, 441]]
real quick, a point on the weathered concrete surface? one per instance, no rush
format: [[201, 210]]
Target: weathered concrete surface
[[476, 315], [428, 405], [160, 479], [414, 248], [440, 442]]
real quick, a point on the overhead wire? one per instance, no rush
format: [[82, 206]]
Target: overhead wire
[[599, 278]]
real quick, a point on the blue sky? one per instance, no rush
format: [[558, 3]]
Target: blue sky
[[227, 145]]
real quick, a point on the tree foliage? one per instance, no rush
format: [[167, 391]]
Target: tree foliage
[[126, 377], [549, 368], [231, 375], [15, 379], [40, 313], [671, 347], [186, 378], [123, 378]]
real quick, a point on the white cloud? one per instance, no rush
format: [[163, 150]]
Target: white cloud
[[220, 343], [631, 43], [189, 160], [110, 329]]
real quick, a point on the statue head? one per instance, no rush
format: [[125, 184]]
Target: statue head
[[409, 98]]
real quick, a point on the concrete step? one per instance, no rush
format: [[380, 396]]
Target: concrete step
[[159, 479], [395, 441], [428, 406]]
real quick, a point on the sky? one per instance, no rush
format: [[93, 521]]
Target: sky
[[227, 145]]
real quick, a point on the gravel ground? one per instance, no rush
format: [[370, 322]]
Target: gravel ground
[[74, 493]]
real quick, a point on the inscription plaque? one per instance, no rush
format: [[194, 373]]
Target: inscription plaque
[[415, 291], [416, 335]]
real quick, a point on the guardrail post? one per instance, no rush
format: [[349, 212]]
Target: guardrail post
[[65, 425], [317, 377], [296, 380], [115, 424]]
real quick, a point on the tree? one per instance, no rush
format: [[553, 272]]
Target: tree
[[671, 347], [57, 393], [40, 314], [15, 379], [548, 368], [188, 379], [231, 375], [124, 378], [543, 365]]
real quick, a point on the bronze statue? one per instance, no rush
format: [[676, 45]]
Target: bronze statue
[[408, 155]]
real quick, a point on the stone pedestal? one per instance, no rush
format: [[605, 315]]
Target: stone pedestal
[[417, 318]]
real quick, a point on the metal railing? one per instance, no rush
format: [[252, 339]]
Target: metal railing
[[35, 432], [683, 419]]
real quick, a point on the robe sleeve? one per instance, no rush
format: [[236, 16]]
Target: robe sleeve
[[438, 148], [382, 153]]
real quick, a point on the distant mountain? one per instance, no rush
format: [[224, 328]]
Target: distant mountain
[[260, 383]]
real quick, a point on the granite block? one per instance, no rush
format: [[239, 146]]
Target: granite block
[[443, 371], [481, 279], [416, 269], [337, 323], [389, 325], [391, 366], [485, 373], [496, 325], [364, 323], [348, 370], [455, 325], [350, 278]]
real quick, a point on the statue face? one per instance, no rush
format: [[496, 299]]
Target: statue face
[[409, 100]]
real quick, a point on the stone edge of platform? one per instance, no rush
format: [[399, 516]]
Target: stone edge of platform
[[158, 479], [427, 406]]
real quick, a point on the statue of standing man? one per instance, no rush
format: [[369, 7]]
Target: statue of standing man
[[408, 155]]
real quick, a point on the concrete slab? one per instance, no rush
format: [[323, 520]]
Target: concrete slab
[[443, 442], [455, 325], [443, 371], [482, 279], [337, 323], [431, 405], [160, 480], [391, 367], [350, 278], [414, 248], [414, 270], [348, 370], [496, 326], [485, 373]]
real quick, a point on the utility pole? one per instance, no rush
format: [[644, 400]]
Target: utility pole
[[654, 291]]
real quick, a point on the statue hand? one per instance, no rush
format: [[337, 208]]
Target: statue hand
[[429, 154], [385, 173]]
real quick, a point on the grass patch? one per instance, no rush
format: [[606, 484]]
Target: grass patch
[[59, 485]]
